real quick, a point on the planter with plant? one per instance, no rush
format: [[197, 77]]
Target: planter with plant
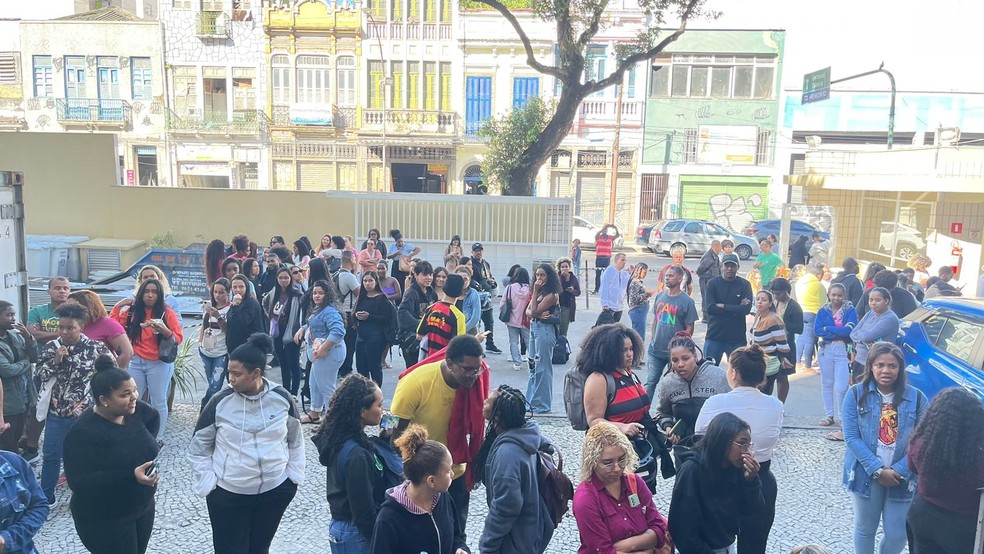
[[185, 379]]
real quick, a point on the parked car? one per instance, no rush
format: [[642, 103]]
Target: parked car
[[943, 343], [909, 242], [642, 233], [763, 228], [695, 236], [586, 231]]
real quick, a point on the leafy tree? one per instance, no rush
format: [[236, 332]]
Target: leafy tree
[[509, 134], [577, 22]]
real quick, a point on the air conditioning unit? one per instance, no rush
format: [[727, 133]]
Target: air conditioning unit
[[947, 136], [103, 257]]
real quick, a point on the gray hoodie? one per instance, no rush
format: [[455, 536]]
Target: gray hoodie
[[677, 399], [518, 520]]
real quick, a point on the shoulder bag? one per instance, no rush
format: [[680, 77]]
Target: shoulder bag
[[505, 310]]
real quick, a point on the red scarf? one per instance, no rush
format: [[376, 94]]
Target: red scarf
[[466, 430]]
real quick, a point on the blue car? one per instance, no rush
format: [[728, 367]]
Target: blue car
[[943, 343], [765, 227]]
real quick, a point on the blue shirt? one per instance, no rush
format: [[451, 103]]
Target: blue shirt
[[327, 324], [406, 250], [24, 508]]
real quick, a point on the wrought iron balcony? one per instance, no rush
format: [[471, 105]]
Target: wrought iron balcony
[[306, 116], [94, 111], [244, 123], [214, 25], [410, 121]]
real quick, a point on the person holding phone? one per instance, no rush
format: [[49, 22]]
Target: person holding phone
[[110, 465], [355, 482]]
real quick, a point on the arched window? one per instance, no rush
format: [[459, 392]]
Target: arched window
[[475, 180], [313, 79]]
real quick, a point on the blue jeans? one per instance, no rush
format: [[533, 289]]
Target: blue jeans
[[515, 334], [54, 441], [892, 513], [324, 376], [344, 538], [154, 376], [716, 349], [638, 316], [804, 342], [835, 376], [656, 362], [215, 374], [543, 337]]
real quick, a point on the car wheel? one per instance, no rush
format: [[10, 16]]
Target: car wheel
[[906, 251], [744, 252]]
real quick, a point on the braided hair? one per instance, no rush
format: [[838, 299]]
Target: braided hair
[[684, 340], [343, 421], [510, 411]]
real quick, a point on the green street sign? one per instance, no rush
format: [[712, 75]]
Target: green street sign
[[816, 86]]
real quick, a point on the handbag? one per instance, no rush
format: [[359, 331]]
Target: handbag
[[772, 365], [505, 310], [167, 349], [44, 399], [405, 264]]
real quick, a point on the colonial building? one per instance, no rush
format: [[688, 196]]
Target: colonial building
[[100, 71], [217, 124]]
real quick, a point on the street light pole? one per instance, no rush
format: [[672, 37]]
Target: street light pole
[[387, 81], [891, 107]]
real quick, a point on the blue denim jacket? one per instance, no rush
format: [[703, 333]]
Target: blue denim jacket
[[861, 424], [23, 507], [327, 324]]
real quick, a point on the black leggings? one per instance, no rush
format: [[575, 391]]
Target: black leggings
[[935, 530], [116, 537], [462, 498], [601, 263], [753, 534], [246, 523], [289, 354]]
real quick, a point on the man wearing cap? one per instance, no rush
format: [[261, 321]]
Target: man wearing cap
[[729, 300], [482, 276]]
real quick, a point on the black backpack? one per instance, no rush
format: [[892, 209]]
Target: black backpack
[[556, 489], [561, 351]]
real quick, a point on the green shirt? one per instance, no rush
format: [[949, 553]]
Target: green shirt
[[45, 318], [770, 263]]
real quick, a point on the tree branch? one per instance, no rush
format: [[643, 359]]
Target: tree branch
[[530, 56], [595, 25], [617, 75]]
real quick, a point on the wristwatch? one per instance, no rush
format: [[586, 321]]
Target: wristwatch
[[877, 473]]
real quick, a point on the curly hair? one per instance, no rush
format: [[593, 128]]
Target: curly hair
[[564, 260], [343, 420], [331, 298], [510, 411], [951, 435], [421, 457], [552, 286], [600, 436], [165, 285], [601, 349]]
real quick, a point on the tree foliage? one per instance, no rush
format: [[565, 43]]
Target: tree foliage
[[578, 22], [508, 135]]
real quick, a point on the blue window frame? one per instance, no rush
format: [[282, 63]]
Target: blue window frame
[[141, 79], [44, 84], [478, 103], [525, 88]]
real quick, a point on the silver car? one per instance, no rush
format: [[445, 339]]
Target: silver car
[[695, 236]]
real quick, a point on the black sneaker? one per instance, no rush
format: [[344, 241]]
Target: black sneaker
[[493, 349], [30, 455]]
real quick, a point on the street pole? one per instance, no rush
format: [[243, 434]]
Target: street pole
[[618, 130], [387, 80], [891, 108]]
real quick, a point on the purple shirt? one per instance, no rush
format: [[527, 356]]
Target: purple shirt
[[104, 330], [602, 520]]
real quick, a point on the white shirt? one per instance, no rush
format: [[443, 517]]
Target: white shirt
[[761, 412]]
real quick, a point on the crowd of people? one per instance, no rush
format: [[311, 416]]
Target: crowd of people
[[329, 316]]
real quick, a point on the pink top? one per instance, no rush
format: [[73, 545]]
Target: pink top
[[104, 330], [602, 520], [519, 296]]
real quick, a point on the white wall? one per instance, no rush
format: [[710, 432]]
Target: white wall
[[45, 9]]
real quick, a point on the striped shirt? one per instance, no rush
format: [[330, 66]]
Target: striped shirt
[[769, 332], [631, 403]]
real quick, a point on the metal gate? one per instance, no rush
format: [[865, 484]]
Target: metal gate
[[651, 196]]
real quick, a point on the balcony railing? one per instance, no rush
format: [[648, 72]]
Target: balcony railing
[[94, 111], [410, 121], [246, 122], [341, 118], [412, 31], [603, 111], [214, 25]]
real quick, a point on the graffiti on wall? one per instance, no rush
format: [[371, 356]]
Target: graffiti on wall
[[732, 212]]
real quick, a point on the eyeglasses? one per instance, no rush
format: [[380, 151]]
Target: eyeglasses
[[745, 446], [296, 272], [610, 465], [469, 370]]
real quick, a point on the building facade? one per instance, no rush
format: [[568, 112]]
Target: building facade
[[100, 71], [711, 122], [217, 124]]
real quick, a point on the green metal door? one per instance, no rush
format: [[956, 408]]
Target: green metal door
[[732, 202]]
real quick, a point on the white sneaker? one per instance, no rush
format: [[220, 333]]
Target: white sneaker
[[517, 367]]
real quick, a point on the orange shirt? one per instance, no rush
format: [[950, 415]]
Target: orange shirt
[[146, 345]]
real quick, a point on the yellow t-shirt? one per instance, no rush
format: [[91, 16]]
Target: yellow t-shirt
[[424, 398]]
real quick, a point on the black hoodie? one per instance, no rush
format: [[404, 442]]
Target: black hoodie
[[400, 531], [415, 302], [706, 503]]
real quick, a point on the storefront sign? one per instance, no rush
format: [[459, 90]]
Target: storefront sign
[[204, 152], [209, 170], [719, 144]]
